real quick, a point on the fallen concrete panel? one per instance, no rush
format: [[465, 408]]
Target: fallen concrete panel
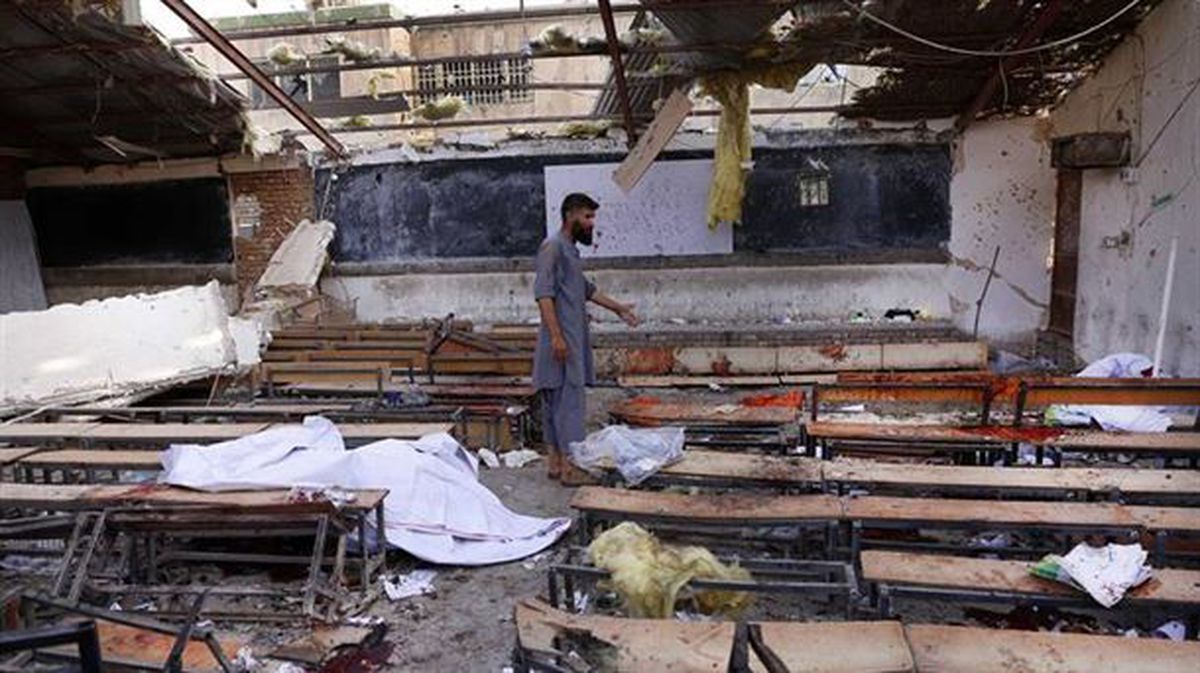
[[78, 352], [296, 264], [21, 286]]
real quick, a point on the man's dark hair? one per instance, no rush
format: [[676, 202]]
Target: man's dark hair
[[576, 201]]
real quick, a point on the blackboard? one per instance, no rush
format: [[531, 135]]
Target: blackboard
[[172, 222], [881, 197]]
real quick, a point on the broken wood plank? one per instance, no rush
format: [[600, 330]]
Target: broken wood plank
[[127, 646], [320, 643], [964, 649], [707, 507], [641, 645], [662, 128], [957, 572]]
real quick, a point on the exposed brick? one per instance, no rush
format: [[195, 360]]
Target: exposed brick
[[285, 197]]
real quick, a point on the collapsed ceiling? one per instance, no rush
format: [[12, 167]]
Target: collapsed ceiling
[[79, 87], [918, 80]]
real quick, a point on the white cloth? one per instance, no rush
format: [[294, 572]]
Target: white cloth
[[1113, 417], [436, 509]]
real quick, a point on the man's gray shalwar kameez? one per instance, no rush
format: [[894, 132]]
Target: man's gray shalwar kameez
[[561, 384]]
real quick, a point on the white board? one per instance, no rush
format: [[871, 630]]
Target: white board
[[663, 215]]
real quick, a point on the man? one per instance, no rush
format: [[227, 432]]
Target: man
[[562, 362]]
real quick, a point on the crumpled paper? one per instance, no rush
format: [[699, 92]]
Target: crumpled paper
[[1105, 573]]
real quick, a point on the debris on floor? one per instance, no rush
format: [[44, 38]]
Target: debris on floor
[[650, 575]]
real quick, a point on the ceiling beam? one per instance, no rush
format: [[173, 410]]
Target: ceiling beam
[[1045, 19], [441, 20], [267, 84], [618, 69], [558, 119]]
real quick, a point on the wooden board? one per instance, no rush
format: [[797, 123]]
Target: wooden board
[[707, 507], [637, 381], [642, 645], [1092, 440], [961, 649], [843, 647], [14, 454], [171, 432], [657, 414], [956, 572], [18, 432], [128, 646], [1130, 481], [375, 431], [101, 460], [886, 509], [662, 128], [84, 496], [743, 466]]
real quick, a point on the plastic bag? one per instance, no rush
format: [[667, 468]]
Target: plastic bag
[[636, 454]]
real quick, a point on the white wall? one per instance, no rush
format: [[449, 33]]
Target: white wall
[[1002, 193], [1143, 83], [718, 294]]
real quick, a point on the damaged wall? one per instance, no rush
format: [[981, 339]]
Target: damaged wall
[[1147, 86], [718, 294], [1002, 194], [267, 206], [75, 352]]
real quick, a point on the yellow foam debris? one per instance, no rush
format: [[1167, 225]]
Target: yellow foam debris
[[649, 575], [732, 153], [443, 109]]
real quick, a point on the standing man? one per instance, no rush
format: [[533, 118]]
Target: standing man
[[562, 362]]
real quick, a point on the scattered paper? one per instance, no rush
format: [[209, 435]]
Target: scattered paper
[[1105, 573], [519, 458], [415, 583], [489, 458], [726, 408]]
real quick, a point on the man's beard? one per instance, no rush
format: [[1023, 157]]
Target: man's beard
[[581, 235]]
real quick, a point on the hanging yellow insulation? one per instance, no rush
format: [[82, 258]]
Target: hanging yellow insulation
[[732, 155], [648, 574]]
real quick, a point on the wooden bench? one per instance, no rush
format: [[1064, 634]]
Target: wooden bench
[[954, 438], [546, 635], [151, 510], [744, 470], [865, 512], [656, 414], [89, 434], [1128, 484], [956, 578]]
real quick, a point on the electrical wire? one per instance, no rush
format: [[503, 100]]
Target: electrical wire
[[983, 52]]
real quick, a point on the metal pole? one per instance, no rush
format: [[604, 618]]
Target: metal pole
[[235, 56], [614, 51], [1166, 306]]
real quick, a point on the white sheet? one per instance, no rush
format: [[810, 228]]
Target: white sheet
[[1115, 417], [436, 508]]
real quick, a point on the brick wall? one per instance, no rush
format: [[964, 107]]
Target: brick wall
[[270, 203]]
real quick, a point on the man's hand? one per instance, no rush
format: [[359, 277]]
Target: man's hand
[[558, 347], [626, 314]]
